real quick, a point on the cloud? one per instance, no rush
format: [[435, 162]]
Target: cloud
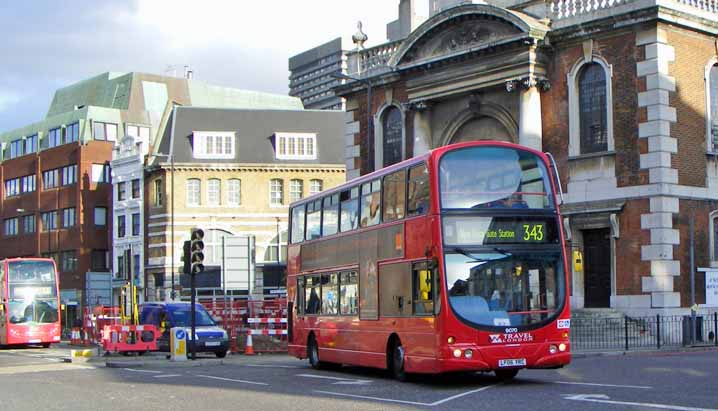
[[233, 43]]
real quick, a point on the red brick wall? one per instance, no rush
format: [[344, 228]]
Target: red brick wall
[[693, 51], [629, 266], [701, 211]]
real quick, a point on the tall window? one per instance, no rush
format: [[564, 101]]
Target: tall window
[[136, 224], [68, 261], [296, 190], [99, 260], [193, 192], [121, 226], [593, 109], [11, 226], [101, 173], [713, 109], [277, 248], [49, 220], [54, 137], [69, 174], [159, 190], [50, 179], [72, 133], [15, 148], [136, 188], [104, 131], [68, 217], [29, 224], [12, 187], [213, 191], [234, 190], [28, 183], [315, 186], [31, 144], [121, 191], [392, 139], [276, 192]]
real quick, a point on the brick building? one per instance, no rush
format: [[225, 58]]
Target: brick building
[[624, 94]]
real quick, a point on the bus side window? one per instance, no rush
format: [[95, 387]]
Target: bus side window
[[299, 301], [349, 294], [330, 215], [330, 295], [312, 295], [423, 286], [371, 203], [418, 190], [394, 187], [298, 224], [314, 220], [349, 209]]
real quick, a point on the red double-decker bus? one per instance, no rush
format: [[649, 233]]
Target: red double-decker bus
[[30, 307], [450, 261]]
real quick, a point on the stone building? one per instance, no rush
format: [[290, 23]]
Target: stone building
[[623, 93], [235, 172]]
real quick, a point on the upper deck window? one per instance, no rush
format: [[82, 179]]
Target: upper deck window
[[493, 177]]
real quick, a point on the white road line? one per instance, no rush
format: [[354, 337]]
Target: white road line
[[232, 380], [272, 366], [605, 399], [350, 381], [145, 371], [426, 404], [435, 403], [638, 387], [166, 376]]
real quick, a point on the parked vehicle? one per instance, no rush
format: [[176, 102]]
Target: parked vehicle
[[210, 337]]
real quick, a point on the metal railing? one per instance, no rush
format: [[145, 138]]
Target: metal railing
[[641, 333], [566, 9]]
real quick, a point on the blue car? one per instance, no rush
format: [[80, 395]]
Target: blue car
[[165, 316]]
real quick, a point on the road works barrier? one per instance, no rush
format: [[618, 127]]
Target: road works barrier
[[130, 338]]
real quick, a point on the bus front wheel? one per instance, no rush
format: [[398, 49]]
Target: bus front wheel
[[313, 353], [506, 375]]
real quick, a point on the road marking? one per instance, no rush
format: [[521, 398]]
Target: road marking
[[165, 376], [272, 366], [427, 404], [340, 381], [145, 371], [638, 387], [232, 380], [605, 399]]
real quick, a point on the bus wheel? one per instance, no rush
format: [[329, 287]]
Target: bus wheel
[[506, 375], [45, 345], [313, 353], [397, 362]]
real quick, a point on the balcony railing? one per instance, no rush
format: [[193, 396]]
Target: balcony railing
[[372, 61], [588, 9]]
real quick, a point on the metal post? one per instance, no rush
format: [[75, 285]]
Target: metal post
[[693, 280], [172, 222], [625, 330], [192, 317], [715, 328], [658, 331]]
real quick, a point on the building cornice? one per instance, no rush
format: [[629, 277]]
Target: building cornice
[[213, 167]]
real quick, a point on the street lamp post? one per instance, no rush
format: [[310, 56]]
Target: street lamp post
[[369, 115]]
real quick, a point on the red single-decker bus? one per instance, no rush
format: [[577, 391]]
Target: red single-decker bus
[[450, 261], [30, 307]]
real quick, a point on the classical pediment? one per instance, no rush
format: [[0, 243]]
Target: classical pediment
[[460, 36]]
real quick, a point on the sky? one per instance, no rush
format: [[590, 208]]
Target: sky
[[48, 44]]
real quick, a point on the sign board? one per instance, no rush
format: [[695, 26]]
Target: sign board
[[238, 256], [98, 288], [712, 288], [178, 344]]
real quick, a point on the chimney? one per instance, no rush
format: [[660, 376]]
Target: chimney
[[188, 73], [406, 23]]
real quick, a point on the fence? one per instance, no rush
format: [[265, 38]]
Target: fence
[[635, 333]]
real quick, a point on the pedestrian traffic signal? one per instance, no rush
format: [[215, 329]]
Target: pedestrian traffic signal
[[197, 251]]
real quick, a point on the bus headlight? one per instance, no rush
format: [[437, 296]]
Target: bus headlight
[[457, 353], [562, 347], [451, 340], [468, 354], [553, 349]]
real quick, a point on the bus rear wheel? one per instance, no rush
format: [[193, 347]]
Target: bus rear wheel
[[313, 353], [506, 375], [397, 362]]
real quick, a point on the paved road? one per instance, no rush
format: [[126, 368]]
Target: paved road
[[36, 379]]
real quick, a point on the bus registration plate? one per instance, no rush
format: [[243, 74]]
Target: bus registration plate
[[513, 362]]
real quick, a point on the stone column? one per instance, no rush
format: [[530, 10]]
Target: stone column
[[530, 125], [422, 128]]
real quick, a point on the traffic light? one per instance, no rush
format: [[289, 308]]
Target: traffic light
[[197, 251], [186, 255]]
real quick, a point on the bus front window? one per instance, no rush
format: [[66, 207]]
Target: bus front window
[[504, 289], [32, 292]]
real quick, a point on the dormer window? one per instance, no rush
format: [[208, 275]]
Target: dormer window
[[295, 146], [213, 144]]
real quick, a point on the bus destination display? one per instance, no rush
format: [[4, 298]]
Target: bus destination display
[[486, 231]]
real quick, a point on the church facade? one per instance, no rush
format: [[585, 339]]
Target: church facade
[[624, 94]]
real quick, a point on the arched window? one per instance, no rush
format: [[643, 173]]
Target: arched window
[[712, 117], [593, 109], [193, 192], [213, 191], [234, 192], [296, 190], [391, 136]]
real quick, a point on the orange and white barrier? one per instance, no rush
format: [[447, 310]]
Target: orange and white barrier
[[267, 332], [130, 338]]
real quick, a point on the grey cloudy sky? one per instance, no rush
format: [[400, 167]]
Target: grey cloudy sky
[[48, 44]]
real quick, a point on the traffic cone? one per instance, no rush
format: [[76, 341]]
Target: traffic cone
[[249, 350], [75, 336]]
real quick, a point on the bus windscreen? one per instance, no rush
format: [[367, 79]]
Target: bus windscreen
[[493, 177], [32, 292]]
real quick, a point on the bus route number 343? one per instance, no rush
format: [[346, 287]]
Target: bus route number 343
[[533, 232]]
